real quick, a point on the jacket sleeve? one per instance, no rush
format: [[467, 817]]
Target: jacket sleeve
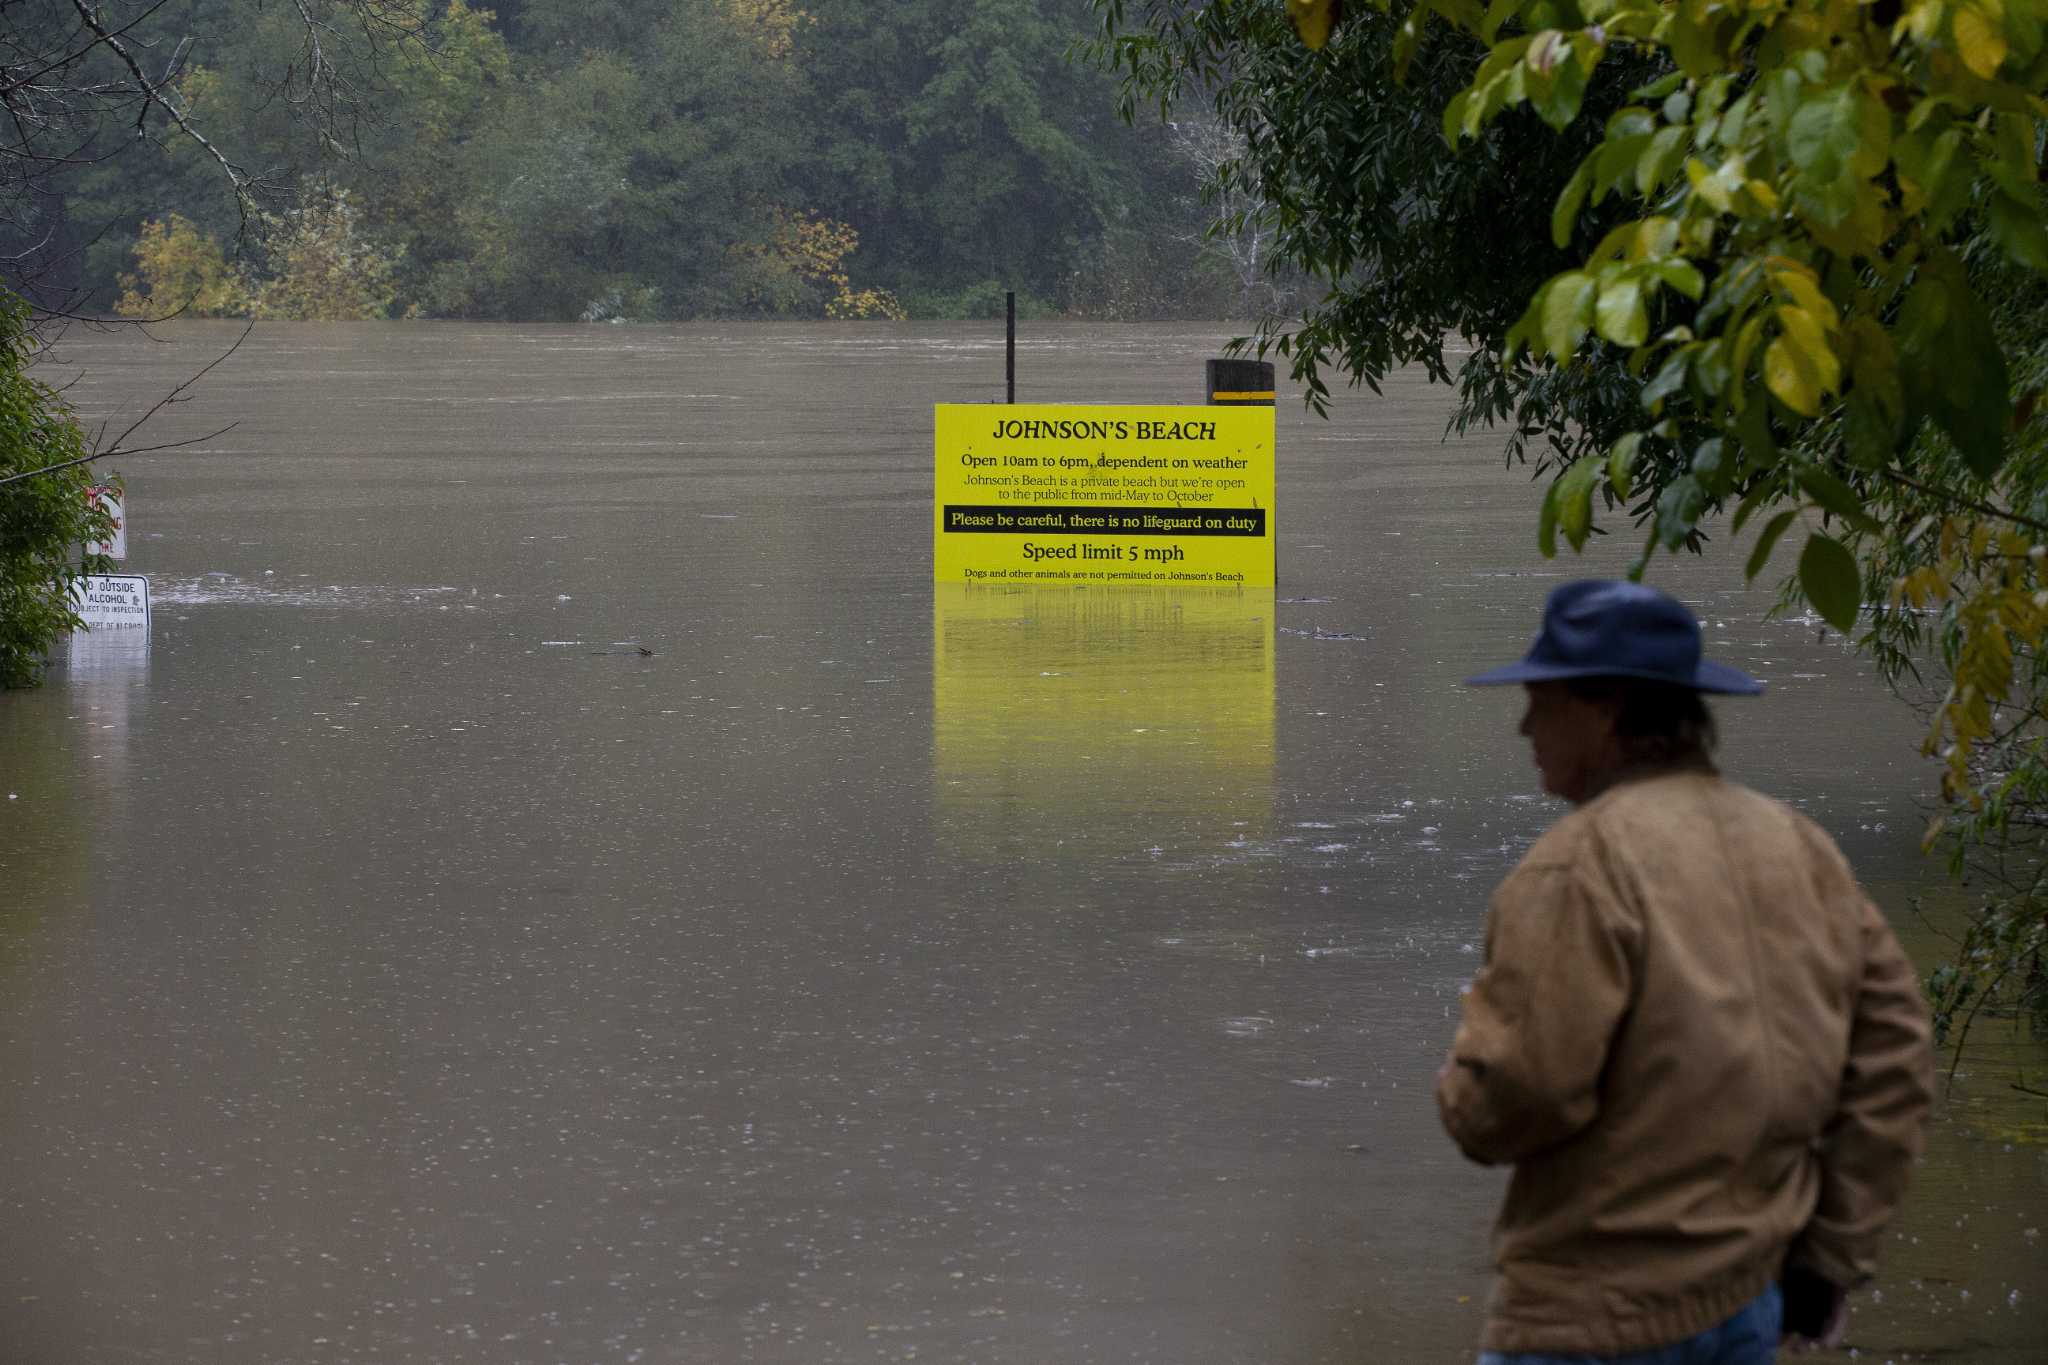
[[1868, 1148], [1524, 1071]]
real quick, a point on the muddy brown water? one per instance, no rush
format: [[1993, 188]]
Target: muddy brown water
[[397, 965]]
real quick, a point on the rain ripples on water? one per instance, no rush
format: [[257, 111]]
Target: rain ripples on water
[[400, 964]]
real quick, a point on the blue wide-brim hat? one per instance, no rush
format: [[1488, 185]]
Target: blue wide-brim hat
[[1603, 628]]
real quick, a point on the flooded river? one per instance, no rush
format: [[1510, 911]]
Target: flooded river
[[399, 964]]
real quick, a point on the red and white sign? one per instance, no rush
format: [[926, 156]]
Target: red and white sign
[[101, 495]]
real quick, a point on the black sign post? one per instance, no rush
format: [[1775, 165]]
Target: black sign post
[[1239, 383]]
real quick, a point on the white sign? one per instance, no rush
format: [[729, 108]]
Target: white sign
[[117, 548], [112, 601]]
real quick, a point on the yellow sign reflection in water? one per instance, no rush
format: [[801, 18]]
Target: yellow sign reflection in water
[[1082, 714]]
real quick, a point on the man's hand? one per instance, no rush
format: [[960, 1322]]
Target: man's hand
[[1816, 1315]]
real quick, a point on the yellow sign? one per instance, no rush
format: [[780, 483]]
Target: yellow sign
[[1040, 493]]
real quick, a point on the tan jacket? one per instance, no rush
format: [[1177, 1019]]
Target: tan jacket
[[1700, 1046]]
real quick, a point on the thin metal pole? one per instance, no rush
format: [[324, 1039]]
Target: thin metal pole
[[1010, 351]]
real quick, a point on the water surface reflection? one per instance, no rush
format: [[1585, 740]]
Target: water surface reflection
[[403, 966], [1061, 714]]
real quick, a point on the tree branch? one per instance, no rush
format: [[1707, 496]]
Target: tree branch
[[112, 453], [59, 63], [172, 396], [153, 94], [116, 449], [1971, 504]]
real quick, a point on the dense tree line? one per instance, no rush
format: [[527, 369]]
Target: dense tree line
[[614, 161], [621, 159]]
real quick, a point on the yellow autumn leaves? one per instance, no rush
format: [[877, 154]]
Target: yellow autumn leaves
[[2007, 607], [1313, 19], [1801, 367], [813, 249], [318, 265]]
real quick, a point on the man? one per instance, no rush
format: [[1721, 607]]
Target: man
[[1694, 1038]]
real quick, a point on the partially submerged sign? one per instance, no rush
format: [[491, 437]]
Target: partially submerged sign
[[112, 602], [1047, 493], [104, 495]]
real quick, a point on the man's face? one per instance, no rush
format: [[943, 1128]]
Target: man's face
[[1573, 738]]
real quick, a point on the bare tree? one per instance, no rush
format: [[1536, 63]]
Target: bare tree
[[1238, 232], [86, 81]]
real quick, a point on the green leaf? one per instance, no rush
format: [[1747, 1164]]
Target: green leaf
[[1497, 13], [1766, 541], [1546, 523], [1870, 434], [1712, 372], [1566, 215], [2019, 230], [1621, 315], [1621, 463], [1834, 496], [1710, 184], [1710, 466], [1574, 489], [1654, 237], [1666, 146], [2011, 162], [1753, 426], [1824, 139], [1782, 96], [1755, 498], [1874, 362], [1567, 311], [1557, 100], [1972, 397], [1947, 181], [1659, 88], [1829, 203], [1824, 134], [1924, 318], [1733, 290], [1630, 121], [1454, 116], [1500, 60], [1678, 511], [1670, 379], [1614, 164], [1873, 135], [1831, 581], [1527, 331], [1746, 337], [1680, 274]]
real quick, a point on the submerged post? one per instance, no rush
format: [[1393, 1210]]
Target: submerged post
[[1240, 383], [1010, 347], [1244, 384]]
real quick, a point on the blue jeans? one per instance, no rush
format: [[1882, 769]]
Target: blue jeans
[[1748, 1338]]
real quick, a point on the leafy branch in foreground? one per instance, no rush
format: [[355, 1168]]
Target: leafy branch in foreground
[[1400, 251], [1829, 276], [1791, 280], [42, 518]]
